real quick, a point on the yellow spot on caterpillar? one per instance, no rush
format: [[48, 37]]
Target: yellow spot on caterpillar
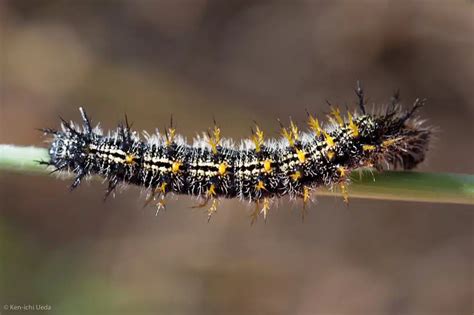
[[296, 175], [329, 139], [294, 130], [342, 171], [267, 166], [330, 155], [390, 142], [175, 167], [260, 185], [211, 192], [314, 125], [129, 158], [301, 155], [215, 139], [257, 139], [223, 168], [337, 116], [170, 135], [291, 134], [163, 187], [353, 126], [288, 135], [368, 147]]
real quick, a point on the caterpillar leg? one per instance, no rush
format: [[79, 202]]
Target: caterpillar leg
[[306, 199], [212, 209], [254, 214], [345, 194], [111, 188], [343, 181], [157, 192], [77, 180], [151, 196], [160, 204], [210, 195], [57, 167], [263, 210], [202, 204]]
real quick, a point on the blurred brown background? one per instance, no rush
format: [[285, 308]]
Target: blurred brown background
[[236, 61]]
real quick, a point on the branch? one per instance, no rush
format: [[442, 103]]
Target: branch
[[22, 159], [390, 185]]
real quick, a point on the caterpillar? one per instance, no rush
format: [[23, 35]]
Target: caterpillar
[[257, 170]]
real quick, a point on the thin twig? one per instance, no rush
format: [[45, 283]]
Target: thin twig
[[390, 185]]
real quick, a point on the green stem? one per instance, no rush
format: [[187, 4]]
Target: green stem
[[22, 159], [390, 185]]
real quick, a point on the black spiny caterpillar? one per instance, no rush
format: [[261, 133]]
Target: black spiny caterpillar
[[256, 170]]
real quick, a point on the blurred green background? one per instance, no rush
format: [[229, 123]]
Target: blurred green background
[[237, 61]]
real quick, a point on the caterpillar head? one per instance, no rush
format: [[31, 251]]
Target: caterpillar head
[[401, 139], [68, 148]]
